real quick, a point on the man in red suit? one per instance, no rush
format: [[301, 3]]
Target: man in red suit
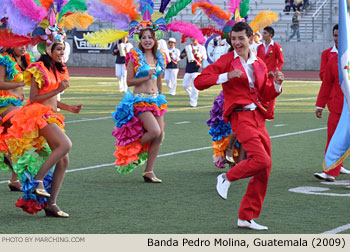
[[326, 54], [245, 85], [332, 95], [271, 53]]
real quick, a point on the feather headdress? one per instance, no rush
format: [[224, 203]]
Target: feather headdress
[[44, 20], [187, 29], [214, 12], [263, 19], [61, 14], [104, 37], [118, 11], [123, 14]]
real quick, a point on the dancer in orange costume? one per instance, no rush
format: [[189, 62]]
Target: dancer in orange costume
[[12, 64], [36, 139]]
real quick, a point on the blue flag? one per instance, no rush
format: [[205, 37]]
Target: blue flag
[[339, 146]]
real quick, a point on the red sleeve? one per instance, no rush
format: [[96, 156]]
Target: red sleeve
[[279, 56], [210, 74], [326, 86], [324, 59]]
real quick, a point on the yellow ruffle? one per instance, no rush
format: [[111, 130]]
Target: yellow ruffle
[[18, 78], [36, 73]]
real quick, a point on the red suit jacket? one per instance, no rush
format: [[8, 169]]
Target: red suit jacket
[[330, 91], [273, 58], [236, 90], [326, 54]]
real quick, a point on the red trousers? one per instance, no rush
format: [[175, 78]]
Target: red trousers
[[332, 123], [249, 128]]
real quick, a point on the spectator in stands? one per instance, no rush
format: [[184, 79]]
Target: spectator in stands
[[298, 4], [295, 26], [289, 5], [306, 4]]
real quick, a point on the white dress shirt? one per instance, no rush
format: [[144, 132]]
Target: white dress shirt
[[267, 46]]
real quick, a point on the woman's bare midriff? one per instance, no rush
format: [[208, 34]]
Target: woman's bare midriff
[[17, 92], [51, 101], [149, 87]]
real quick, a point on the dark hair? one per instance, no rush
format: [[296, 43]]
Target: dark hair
[[335, 27], [270, 30], [49, 63], [11, 51], [153, 34], [241, 26]]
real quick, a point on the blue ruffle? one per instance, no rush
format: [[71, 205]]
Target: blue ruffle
[[11, 71], [161, 61], [125, 110], [15, 102], [220, 130], [143, 68], [29, 185]]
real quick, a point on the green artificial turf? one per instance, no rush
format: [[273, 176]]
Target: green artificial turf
[[100, 200]]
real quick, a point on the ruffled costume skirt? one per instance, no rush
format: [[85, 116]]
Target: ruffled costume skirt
[[220, 132], [129, 129], [29, 151], [6, 101]]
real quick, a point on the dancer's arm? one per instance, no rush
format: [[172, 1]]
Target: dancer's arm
[[34, 95], [70, 108], [159, 83], [4, 85]]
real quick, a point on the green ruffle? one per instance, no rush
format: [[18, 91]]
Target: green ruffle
[[31, 161], [3, 165], [127, 169], [10, 65]]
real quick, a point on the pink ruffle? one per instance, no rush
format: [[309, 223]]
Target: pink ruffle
[[219, 161], [130, 56], [129, 132]]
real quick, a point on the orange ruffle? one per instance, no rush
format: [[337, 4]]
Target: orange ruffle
[[128, 153], [147, 104], [219, 147], [24, 132]]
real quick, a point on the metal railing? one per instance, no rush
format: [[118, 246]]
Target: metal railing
[[320, 15]]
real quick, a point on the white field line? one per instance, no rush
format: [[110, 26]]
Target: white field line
[[296, 99], [184, 122], [338, 229], [189, 150]]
